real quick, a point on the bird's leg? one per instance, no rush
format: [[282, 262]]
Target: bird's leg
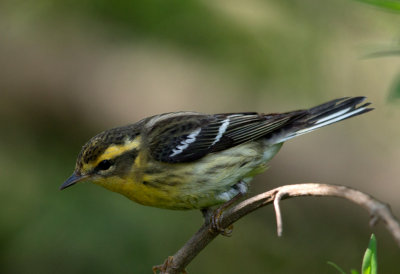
[[207, 213], [215, 216]]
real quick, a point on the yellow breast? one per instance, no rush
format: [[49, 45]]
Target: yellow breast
[[190, 185]]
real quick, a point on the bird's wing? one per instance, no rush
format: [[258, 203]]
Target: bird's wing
[[185, 137], [188, 136]]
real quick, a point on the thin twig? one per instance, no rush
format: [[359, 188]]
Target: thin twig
[[376, 209], [279, 223]]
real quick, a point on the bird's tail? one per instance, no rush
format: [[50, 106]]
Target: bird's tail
[[305, 121]]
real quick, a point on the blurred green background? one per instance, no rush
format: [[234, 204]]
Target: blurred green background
[[70, 69]]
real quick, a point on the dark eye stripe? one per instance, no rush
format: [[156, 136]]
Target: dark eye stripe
[[124, 162]]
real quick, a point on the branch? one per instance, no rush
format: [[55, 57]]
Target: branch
[[377, 210]]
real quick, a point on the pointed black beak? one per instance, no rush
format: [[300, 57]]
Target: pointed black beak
[[73, 179]]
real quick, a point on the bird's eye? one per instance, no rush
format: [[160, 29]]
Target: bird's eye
[[104, 165]]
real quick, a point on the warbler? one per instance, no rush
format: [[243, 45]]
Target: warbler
[[190, 160]]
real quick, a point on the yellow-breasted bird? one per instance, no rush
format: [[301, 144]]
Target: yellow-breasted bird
[[190, 160]]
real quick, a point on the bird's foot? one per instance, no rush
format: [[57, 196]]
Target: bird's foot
[[213, 218], [216, 226]]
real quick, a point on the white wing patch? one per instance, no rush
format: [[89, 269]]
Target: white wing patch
[[221, 130], [185, 143]]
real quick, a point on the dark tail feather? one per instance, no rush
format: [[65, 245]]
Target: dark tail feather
[[320, 116]]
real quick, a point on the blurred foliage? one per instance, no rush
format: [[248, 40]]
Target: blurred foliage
[[259, 52], [341, 271], [384, 53], [395, 89], [369, 263], [87, 229], [191, 25], [393, 5]]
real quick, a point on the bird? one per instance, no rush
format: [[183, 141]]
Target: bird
[[189, 160]]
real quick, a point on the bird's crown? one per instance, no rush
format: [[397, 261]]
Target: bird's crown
[[107, 144]]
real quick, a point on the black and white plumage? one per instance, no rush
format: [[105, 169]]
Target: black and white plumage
[[188, 136]]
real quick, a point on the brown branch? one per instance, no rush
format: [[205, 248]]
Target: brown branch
[[376, 209]]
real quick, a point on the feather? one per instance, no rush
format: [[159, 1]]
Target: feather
[[188, 136]]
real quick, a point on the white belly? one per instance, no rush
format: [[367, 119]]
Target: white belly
[[215, 176]]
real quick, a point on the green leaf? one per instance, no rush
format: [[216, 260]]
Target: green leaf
[[336, 267], [353, 271], [393, 5], [370, 261]]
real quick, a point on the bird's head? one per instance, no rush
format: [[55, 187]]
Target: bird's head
[[107, 155]]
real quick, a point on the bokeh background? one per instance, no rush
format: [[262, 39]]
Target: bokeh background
[[70, 69]]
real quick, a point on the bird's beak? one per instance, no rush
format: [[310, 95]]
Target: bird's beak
[[73, 179]]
